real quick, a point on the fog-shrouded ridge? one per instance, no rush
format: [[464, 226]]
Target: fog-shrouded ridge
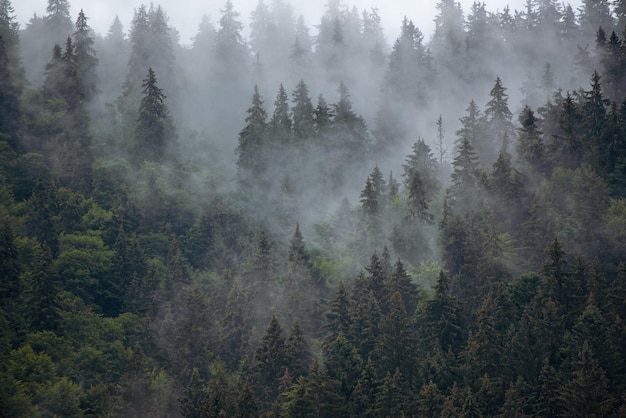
[[290, 216]]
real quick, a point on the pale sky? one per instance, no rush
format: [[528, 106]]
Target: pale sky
[[185, 15]]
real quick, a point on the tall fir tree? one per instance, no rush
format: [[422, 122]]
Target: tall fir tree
[[85, 57], [154, 133]]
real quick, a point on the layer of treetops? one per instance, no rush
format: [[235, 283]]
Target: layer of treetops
[[285, 220]]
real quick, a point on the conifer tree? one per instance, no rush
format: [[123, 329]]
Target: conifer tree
[[440, 319], [154, 131], [302, 112], [297, 352], [85, 57], [9, 265], [42, 292], [250, 151], [139, 38], [423, 162], [530, 147], [400, 281], [394, 348], [343, 365], [338, 315], [587, 392], [465, 176], [58, 21], [298, 254], [472, 126], [280, 123], [9, 32], [271, 360], [10, 113], [548, 399], [498, 117]]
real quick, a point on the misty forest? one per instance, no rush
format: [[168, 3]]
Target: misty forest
[[308, 219]]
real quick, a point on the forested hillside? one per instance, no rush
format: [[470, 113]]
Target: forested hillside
[[294, 219]]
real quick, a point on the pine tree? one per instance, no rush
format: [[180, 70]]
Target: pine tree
[[594, 117], [430, 401], [322, 115], [395, 345], [85, 57], [42, 292], [231, 50], [354, 136], [302, 112], [250, 152], [530, 147], [270, 358], [10, 34], [10, 268], [42, 222], [58, 21], [297, 352], [548, 399], [343, 365], [440, 319], [280, 123], [587, 392], [298, 254], [139, 38], [464, 186], [472, 126], [498, 117], [154, 131], [595, 14], [422, 162], [10, 113], [338, 315], [401, 282]]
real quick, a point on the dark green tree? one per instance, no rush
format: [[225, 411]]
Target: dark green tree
[[396, 343], [154, 133], [464, 186], [422, 162], [280, 123], [343, 365], [498, 117], [58, 21], [270, 363], [440, 319], [297, 352], [548, 401], [10, 268], [530, 147], [586, 394], [250, 151], [10, 113], [43, 286], [338, 315], [302, 112], [85, 57], [400, 281]]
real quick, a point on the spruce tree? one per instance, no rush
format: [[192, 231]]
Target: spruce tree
[[85, 57], [271, 361], [154, 131], [58, 21], [498, 117], [302, 112], [250, 151], [464, 186], [10, 107]]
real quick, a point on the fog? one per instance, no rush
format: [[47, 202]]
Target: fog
[[185, 15]]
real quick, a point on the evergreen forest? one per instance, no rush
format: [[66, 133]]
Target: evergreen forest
[[308, 219]]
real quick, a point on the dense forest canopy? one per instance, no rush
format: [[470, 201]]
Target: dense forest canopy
[[284, 219]]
